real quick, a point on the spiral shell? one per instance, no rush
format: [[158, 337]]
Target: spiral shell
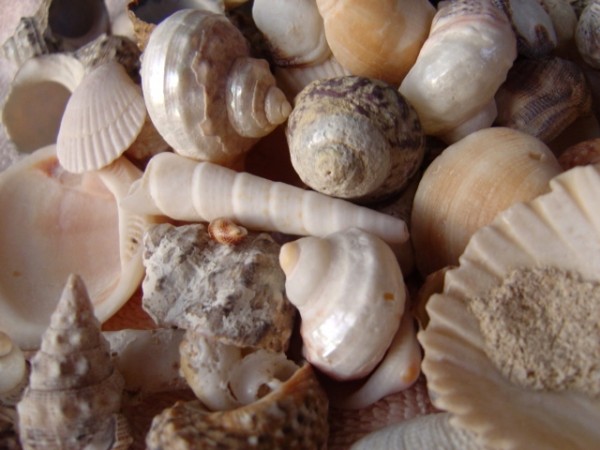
[[354, 30], [587, 34], [463, 62], [222, 100], [74, 393], [182, 189], [354, 138], [349, 290]]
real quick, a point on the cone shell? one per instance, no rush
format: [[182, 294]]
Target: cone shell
[[561, 230], [472, 181], [349, 290], [102, 118], [74, 391], [354, 30], [293, 416]]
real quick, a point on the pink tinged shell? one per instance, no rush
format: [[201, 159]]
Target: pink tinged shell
[[102, 119]]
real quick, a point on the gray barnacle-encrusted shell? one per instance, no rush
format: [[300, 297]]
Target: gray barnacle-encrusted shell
[[233, 293], [354, 138]]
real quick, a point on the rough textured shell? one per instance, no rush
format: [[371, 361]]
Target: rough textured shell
[[28, 41], [343, 286], [581, 154], [560, 229], [102, 118], [543, 97], [466, 186], [77, 217], [350, 25], [470, 48], [354, 138], [178, 187], [587, 34], [293, 416], [74, 392]]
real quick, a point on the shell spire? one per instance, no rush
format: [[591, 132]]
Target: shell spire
[[75, 391]]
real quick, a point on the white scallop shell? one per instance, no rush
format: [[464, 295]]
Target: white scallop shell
[[102, 119], [561, 229], [54, 223]]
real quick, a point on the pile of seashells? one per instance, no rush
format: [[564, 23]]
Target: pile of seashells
[[285, 224]]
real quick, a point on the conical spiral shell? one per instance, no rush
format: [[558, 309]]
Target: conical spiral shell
[[74, 391]]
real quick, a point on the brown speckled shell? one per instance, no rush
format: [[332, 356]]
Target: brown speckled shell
[[226, 231], [354, 138], [291, 417]]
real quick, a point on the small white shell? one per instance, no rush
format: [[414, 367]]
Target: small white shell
[[349, 290], [13, 368], [101, 120], [183, 189]]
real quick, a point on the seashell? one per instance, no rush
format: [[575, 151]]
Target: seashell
[[54, 212], [225, 231], [559, 230], [349, 29], [533, 26], [34, 106], [543, 97], [587, 34], [399, 370], [564, 20], [463, 62], [354, 138], [423, 432], [74, 393], [14, 373], [251, 201], [581, 154], [432, 284], [292, 416], [294, 31], [148, 143], [466, 186], [28, 41], [343, 285], [232, 293], [224, 376], [223, 100], [102, 118], [145, 15], [130, 349]]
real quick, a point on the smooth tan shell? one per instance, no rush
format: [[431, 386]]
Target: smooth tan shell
[[470, 182], [354, 31]]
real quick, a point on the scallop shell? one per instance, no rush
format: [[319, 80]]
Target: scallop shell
[[354, 138], [587, 34], [543, 97], [349, 290], [293, 416], [34, 106], [472, 181], [177, 187], [53, 212], [463, 62], [102, 118], [74, 393], [559, 229], [223, 100], [350, 31]]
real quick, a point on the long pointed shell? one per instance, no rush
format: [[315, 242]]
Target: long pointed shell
[[464, 60], [349, 290], [355, 31], [184, 189], [294, 415], [102, 118], [75, 391], [468, 184]]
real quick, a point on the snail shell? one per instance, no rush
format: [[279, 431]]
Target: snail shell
[[74, 393], [543, 97], [354, 31], [463, 62], [354, 138], [183, 189], [205, 95], [470, 182], [349, 290], [587, 34]]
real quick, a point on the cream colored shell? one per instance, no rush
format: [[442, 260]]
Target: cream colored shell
[[587, 34], [559, 229], [349, 290]]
